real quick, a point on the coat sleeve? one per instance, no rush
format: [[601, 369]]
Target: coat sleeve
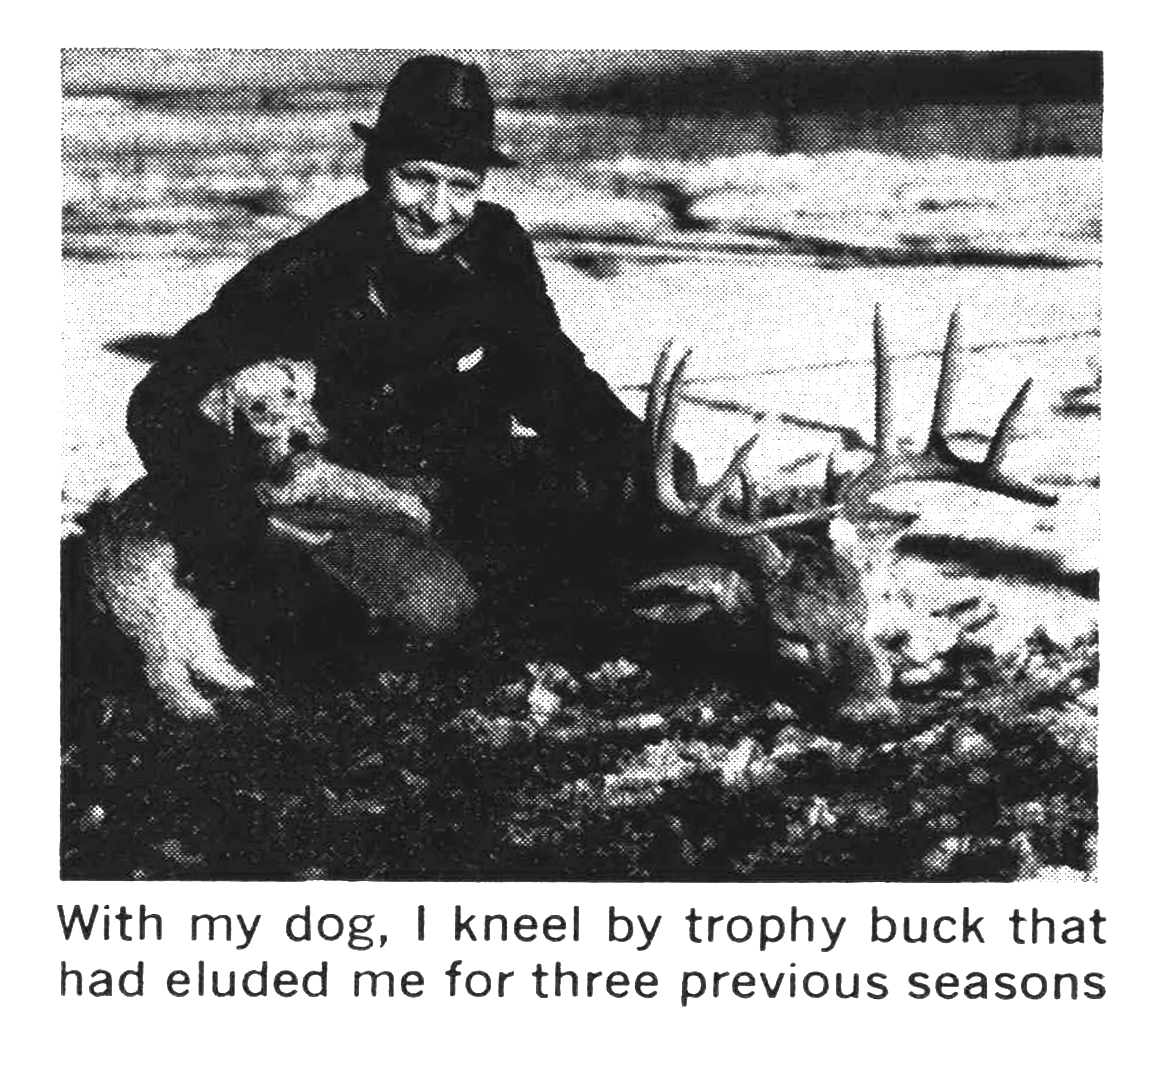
[[554, 390], [555, 393]]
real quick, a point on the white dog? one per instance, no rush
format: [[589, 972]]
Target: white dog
[[267, 413]]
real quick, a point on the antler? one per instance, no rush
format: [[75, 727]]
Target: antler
[[706, 511], [936, 461]]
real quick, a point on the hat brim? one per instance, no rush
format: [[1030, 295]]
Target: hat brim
[[487, 156]]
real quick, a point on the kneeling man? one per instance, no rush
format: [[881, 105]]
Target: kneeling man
[[426, 314]]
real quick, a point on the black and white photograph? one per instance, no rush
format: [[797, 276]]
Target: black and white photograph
[[544, 465]]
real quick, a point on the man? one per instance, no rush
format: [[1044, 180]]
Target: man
[[427, 315]]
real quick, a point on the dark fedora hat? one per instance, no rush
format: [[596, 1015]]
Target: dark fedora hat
[[439, 109]]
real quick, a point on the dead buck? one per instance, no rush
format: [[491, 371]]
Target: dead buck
[[817, 577]]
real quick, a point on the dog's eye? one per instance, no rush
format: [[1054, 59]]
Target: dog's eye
[[289, 393], [259, 407]]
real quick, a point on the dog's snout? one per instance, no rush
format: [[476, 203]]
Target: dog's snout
[[273, 414], [313, 430]]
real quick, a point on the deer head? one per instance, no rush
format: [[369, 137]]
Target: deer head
[[819, 577]]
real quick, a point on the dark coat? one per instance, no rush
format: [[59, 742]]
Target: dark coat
[[388, 331]]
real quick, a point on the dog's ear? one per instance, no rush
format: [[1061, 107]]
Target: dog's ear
[[302, 373], [219, 405]]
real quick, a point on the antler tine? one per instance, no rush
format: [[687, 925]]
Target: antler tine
[[991, 476], [831, 486], [667, 384], [1005, 431], [660, 376], [949, 373], [712, 501], [886, 435]]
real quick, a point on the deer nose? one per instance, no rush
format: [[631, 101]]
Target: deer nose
[[894, 638], [891, 628]]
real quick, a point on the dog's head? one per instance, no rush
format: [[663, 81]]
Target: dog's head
[[267, 410]]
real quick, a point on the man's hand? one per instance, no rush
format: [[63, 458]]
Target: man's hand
[[284, 530], [338, 496], [411, 506], [300, 482]]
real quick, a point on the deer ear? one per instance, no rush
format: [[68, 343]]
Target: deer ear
[[302, 373], [219, 406]]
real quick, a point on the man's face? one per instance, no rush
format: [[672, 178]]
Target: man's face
[[432, 203]]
